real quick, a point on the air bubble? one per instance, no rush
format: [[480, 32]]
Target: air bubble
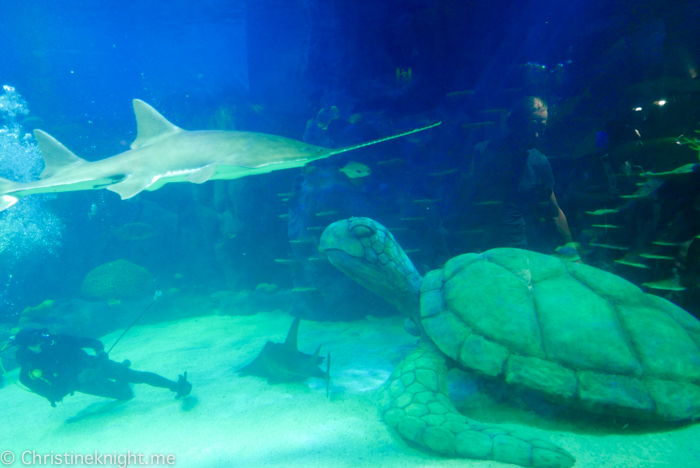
[[27, 228]]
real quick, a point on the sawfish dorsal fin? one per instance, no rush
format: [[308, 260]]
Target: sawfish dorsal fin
[[150, 125], [56, 156], [314, 358], [291, 341]]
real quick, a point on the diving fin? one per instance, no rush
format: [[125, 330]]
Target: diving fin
[[183, 387]]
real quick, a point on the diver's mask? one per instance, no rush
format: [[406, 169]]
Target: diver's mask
[[537, 126], [30, 337]]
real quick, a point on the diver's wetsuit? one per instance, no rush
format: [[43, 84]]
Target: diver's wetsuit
[[513, 186], [63, 367]]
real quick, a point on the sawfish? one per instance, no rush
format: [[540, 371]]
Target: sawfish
[[164, 153], [283, 362]]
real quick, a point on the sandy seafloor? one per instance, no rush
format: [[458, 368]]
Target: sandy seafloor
[[233, 421]]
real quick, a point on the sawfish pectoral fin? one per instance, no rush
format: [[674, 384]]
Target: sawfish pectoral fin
[[131, 186], [202, 175]]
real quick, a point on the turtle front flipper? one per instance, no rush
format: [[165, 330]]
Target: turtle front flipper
[[416, 404]]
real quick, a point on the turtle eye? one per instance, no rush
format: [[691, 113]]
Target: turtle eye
[[362, 231]]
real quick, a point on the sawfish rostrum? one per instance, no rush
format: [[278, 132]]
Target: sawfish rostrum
[[164, 153]]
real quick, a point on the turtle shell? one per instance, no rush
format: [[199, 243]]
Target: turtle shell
[[579, 335]]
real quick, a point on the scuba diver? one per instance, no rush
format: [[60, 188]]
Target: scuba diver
[[54, 366], [515, 180]]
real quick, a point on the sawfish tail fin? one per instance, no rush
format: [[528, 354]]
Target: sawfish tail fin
[[7, 187], [374, 142], [57, 158]]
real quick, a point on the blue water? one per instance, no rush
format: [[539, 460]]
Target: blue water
[[272, 66], [620, 79]]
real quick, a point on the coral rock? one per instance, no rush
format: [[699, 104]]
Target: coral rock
[[119, 280]]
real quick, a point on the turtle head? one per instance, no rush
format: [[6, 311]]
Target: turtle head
[[367, 252]]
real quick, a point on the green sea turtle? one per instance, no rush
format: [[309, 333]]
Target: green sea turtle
[[578, 335]]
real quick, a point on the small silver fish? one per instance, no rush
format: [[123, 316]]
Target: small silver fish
[[354, 170]]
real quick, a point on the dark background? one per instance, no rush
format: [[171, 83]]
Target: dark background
[[271, 66]]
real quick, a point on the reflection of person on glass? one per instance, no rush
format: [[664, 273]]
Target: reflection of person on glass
[[509, 178], [54, 366]]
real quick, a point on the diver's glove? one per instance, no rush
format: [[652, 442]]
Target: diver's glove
[[183, 387], [568, 252]]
